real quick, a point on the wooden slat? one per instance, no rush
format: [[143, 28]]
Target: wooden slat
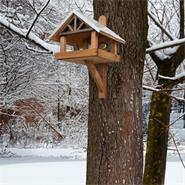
[[108, 55], [75, 32], [71, 29], [75, 38], [62, 44], [90, 59], [110, 36], [75, 23], [91, 55], [81, 24], [94, 40], [76, 54], [96, 76]]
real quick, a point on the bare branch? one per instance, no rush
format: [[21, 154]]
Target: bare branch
[[145, 87], [161, 27], [36, 50], [36, 17], [180, 77], [182, 162]]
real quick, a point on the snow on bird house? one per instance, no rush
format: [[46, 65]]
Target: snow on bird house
[[86, 41]]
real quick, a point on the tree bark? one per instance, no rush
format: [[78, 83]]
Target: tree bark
[[158, 127], [115, 149]]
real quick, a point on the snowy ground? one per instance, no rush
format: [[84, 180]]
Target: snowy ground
[[61, 166]]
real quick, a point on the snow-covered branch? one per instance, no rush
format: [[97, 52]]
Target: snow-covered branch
[[32, 37], [164, 45], [171, 81], [180, 77], [148, 88]]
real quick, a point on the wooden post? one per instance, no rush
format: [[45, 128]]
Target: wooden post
[[94, 40], [102, 20], [62, 44], [103, 69], [114, 47], [95, 75], [100, 77], [75, 23]]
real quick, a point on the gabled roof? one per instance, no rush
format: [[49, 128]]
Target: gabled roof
[[91, 23]]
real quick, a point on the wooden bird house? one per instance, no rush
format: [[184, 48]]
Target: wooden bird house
[[85, 41]]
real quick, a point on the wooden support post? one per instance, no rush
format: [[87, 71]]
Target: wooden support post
[[103, 69], [114, 47], [62, 44], [94, 40], [100, 77], [75, 23]]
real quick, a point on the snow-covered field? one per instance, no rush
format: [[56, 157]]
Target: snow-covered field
[[48, 172], [62, 166]]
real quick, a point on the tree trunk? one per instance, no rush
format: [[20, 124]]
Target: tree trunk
[[158, 127], [115, 149], [157, 141], [183, 106]]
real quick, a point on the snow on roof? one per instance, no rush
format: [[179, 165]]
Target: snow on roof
[[92, 23]]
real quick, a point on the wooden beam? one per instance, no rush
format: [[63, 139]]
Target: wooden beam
[[76, 54], [78, 38], [94, 40], [77, 31], [81, 24], [96, 76], [103, 69], [69, 26], [75, 23], [110, 36], [62, 44], [108, 55]]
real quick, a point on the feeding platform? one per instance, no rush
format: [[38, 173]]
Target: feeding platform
[[85, 41]]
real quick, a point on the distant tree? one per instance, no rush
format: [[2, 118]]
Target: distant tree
[[115, 146], [167, 62]]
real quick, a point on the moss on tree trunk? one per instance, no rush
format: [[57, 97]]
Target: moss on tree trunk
[[158, 130], [157, 141]]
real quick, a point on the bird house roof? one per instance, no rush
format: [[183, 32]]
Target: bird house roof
[[95, 25]]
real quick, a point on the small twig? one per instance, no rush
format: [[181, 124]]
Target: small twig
[[12, 115], [182, 162], [49, 124], [176, 120], [80, 8], [160, 26], [36, 50]]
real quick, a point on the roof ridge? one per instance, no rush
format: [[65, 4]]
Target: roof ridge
[[100, 28]]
